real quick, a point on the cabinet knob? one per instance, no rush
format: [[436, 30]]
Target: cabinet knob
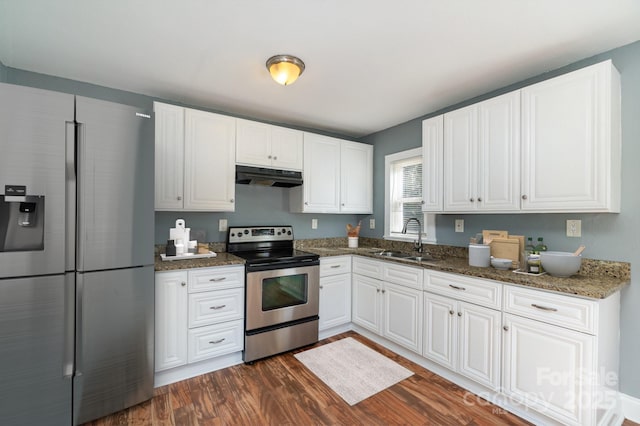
[[451, 312], [275, 157], [179, 198], [269, 157], [479, 199], [321, 287], [383, 291], [183, 284], [524, 197], [422, 202], [306, 203], [459, 314], [505, 328], [231, 200], [377, 290], [471, 199], [342, 204]]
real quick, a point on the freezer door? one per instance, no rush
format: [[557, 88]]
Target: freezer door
[[115, 185], [33, 130], [36, 350], [114, 341]]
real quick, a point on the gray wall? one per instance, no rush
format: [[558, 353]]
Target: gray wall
[[255, 205], [607, 236]]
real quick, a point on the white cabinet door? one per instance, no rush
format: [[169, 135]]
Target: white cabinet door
[[335, 301], [209, 161], [264, 145], [432, 162], [169, 156], [571, 142], [253, 143], [320, 192], [460, 165], [498, 180], [402, 316], [286, 148], [366, 308], [356, 177], [546, 366], [440, 331], [171, 319], [479, 340]]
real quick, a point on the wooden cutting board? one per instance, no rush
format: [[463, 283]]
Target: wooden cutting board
[[506, 248], [489, 235], [520, 239]]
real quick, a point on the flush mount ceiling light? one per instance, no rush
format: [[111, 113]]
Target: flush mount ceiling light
[[285, 69]]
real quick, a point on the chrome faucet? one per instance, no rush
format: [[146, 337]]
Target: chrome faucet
[[417, 246]]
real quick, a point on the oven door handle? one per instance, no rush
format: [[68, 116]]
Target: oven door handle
[[268, 266]]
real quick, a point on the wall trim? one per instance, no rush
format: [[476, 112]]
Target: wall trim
[[630, 407]]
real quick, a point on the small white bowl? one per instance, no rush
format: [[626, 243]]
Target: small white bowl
[[500, 263]]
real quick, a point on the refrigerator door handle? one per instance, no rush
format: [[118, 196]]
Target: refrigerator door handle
[[78, 324], [81, 182], [69, 326], [70, 196]]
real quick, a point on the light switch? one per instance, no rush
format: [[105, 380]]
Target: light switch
[[222, 225], [314, 223]]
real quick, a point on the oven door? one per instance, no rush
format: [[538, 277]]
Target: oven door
[[278, 296]]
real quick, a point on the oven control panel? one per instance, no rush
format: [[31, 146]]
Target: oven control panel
[[250, 234]]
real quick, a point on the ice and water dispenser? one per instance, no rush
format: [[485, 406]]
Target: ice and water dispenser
[[21, 220]]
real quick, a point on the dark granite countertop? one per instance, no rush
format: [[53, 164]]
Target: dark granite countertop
[[596, 280], [221, 259]]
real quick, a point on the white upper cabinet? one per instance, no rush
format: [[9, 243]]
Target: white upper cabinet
[[338, 177], [356, 177], [432, 157], [264, 145], [195, 160], [571, 142], [482, 156], [169, 156]]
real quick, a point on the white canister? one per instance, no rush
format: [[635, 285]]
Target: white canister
[[179, 248], [479, 255], [353, 242]]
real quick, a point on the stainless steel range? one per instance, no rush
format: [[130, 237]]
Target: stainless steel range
[[282, 290]]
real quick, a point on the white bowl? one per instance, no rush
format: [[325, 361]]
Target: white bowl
[[560, 263], [500, 263]]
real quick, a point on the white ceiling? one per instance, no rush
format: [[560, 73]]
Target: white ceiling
[[371, 64]]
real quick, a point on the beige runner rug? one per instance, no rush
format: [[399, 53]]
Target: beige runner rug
[[353, 370]]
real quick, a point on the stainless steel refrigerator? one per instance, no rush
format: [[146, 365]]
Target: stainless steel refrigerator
[[76, 257]]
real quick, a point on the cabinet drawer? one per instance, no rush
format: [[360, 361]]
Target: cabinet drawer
[[367, 267], [207, 279], [335, 265], [566, 311], [216, 306], [480, 292], [215, 340], [403, 275]]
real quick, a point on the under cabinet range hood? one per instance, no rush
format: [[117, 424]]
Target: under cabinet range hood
[[268, 177]]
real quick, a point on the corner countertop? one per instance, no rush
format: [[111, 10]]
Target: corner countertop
[[595, 280], [221, 259]]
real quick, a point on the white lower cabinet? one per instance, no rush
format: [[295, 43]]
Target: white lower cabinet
[[390, 309], [463, 337], [199, 315], [335, 292]]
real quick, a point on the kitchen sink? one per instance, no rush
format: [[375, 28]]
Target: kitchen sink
[[405, 256]]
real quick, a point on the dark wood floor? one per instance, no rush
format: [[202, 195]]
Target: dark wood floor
[[281, 391]]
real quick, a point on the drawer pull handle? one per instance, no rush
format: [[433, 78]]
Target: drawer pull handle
[[544, 308], [217, 307], [335, 266], [455, 287], [217, 280], [213, 342]]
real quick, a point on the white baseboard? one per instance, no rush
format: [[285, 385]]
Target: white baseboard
[[188, 371], [630, 407]]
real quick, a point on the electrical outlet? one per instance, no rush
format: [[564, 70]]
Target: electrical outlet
[[372, 224], [314, 223], [459, 225], [574, 228], [222, 225]]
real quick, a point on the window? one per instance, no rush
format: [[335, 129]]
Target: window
[[403, 197]]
